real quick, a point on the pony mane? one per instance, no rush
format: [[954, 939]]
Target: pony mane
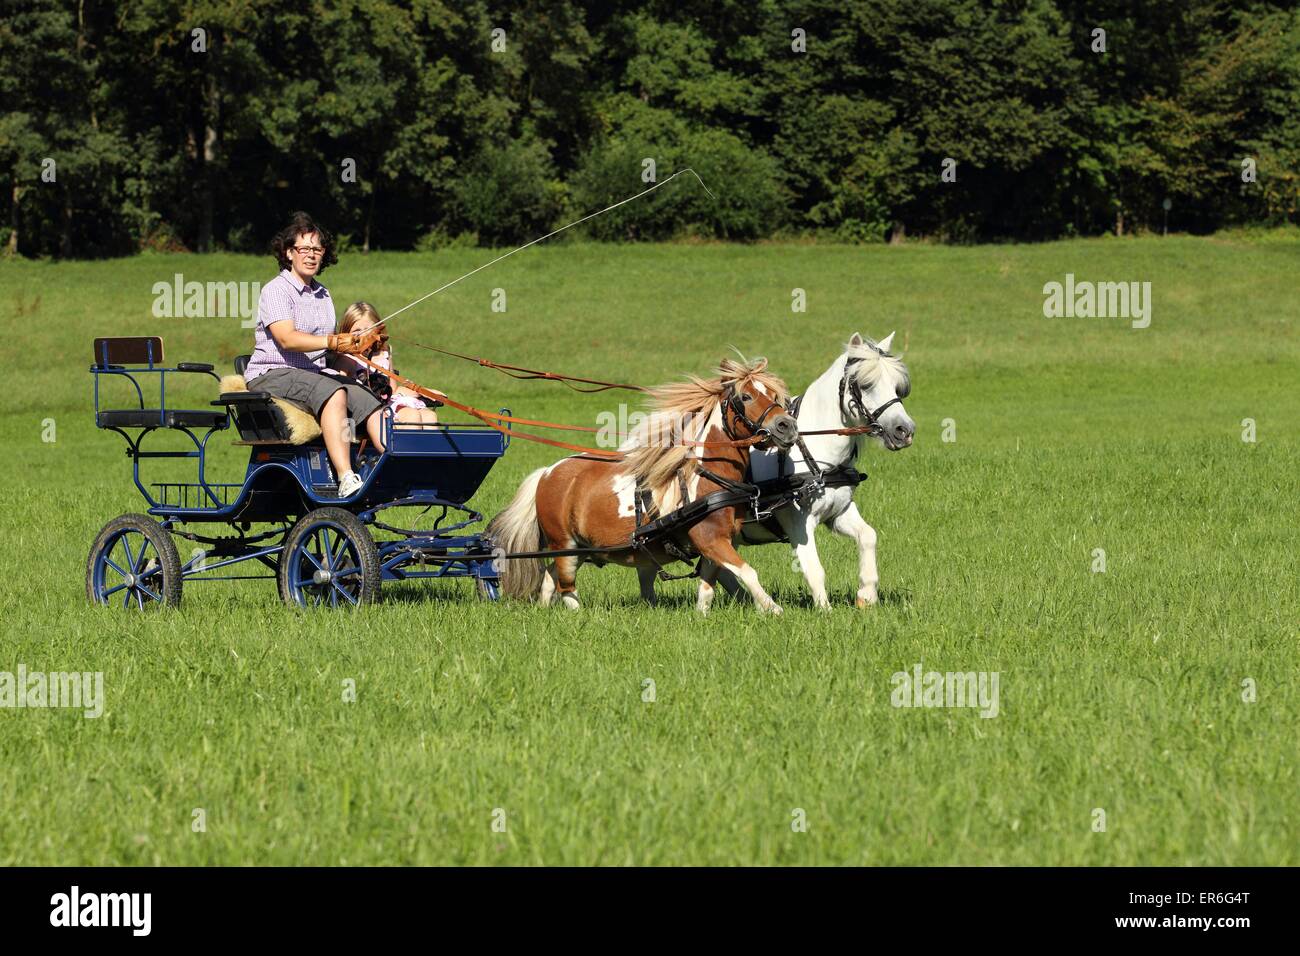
[[654, 455], [874, 363]]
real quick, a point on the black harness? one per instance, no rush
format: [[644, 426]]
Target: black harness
[[732, 493], [763, 498], [851, 398]]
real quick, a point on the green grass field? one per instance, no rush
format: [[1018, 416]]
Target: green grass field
[[1120, 691]]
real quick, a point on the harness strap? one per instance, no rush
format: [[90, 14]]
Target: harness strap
[[774, 492], [743, 487]]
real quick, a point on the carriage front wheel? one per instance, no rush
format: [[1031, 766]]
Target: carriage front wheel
[[134, 563], [329, 559]]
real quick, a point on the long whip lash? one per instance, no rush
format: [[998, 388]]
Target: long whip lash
[[576, 222]]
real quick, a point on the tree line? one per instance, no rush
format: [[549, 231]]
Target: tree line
[[199, 125]]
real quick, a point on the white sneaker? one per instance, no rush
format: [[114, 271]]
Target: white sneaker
[[350, 485]]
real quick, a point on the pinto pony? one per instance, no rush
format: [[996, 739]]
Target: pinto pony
[[695, 441]]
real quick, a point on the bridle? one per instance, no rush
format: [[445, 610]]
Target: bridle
[[850, 402], [851, 399], [734, 402]]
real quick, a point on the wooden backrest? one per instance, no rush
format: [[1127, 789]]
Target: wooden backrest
[[129, 350]]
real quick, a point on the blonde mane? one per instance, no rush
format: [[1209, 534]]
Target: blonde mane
[[682, 411], [875, 363]]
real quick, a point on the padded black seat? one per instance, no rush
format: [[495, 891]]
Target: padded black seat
[[171, 418], [258, 419]]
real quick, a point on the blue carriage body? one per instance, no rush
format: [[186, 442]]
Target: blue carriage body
[[434, 464], [422, 466]]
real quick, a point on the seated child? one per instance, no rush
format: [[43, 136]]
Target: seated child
[[407, 406]]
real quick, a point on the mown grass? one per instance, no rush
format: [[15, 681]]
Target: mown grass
[[1119, 690]]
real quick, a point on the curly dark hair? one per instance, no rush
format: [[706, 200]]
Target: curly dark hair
[[299, 224]]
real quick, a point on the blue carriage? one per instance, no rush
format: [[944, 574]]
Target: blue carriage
[[321, 549]]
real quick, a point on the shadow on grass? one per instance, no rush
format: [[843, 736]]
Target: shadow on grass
[[463, 592]]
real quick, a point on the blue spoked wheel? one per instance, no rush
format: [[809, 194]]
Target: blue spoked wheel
[[329, 560], [134, 564]]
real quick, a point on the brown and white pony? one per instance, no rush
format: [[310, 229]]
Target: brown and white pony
[[584, 502]]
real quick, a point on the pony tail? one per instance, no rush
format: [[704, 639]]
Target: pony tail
[[516, 529]]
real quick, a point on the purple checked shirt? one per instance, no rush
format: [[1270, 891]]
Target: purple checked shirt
[[311, 310]]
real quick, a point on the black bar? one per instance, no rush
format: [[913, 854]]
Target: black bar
[[941, 910]]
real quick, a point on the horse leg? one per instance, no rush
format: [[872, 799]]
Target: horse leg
[[709, 572], [719, 550], [729, 583], [547, 594], [566, 574], [850, 524], [646, 575], [798, 527]]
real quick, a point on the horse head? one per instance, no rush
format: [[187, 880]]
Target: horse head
[[872, 390], [754, 405]]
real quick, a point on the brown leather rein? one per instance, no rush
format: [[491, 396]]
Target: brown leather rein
[[492, 420], [528, 373]]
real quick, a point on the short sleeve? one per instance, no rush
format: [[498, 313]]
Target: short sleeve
[[275, 304]]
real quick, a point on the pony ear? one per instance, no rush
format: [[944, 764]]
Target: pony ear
[[884, 343], [856, 339]]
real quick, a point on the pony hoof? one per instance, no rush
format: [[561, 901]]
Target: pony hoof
[[775, 609], [865, 602], [570, 602]]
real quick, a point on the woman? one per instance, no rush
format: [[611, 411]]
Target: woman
[[295, 328]]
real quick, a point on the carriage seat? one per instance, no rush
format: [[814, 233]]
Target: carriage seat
[[261, 418], [131, 358], [156, 418]]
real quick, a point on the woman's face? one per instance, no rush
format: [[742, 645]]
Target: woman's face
[[362, 325], [306, 253]]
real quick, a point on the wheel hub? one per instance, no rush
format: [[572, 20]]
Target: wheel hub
[[321, 577], [131, 580]]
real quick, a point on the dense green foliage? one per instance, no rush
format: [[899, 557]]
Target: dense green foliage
[[802, 115], [1120, 691]]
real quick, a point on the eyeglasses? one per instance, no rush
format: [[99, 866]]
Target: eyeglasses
[[308, 250]]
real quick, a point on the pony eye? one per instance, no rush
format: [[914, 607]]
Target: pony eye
[[746, 398]]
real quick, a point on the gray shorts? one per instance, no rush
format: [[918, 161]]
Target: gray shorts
[[311, 390]]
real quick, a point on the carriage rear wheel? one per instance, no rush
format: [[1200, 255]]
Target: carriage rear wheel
[[134, 561], [329, 560]]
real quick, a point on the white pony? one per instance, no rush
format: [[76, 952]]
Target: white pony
[[864, 386]]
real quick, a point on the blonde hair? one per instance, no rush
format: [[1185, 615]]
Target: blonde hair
[[355, 312]]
